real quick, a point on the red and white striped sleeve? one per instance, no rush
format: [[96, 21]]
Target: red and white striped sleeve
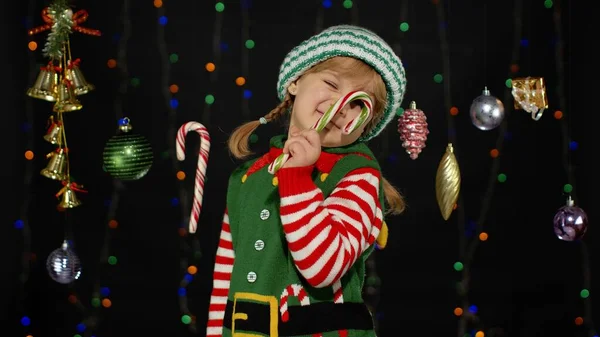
[[327, 236], [221, 281]]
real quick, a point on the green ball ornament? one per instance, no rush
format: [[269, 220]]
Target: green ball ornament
[[127, 156]]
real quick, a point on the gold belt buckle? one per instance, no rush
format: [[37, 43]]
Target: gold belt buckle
[[274, 320]]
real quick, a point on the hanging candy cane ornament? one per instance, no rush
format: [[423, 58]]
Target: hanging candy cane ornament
[[328, 116], [200, 168]]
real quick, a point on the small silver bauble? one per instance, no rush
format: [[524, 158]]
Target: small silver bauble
[[63, 265], [487, 112]]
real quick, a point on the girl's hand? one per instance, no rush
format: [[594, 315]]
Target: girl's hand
[[304, 147]]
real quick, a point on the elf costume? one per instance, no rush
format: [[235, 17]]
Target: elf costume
[[292, 251]]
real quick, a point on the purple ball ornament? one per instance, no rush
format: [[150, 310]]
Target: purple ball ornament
[[570, 222]]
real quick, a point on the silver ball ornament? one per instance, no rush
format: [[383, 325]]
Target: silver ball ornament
[[63, 265], [487, 111]]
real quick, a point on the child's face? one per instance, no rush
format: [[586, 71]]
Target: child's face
[[315, 93]]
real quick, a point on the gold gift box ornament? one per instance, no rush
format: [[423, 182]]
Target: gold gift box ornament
[[530, 95]]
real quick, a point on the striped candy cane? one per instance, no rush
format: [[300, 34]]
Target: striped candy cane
[[328, 116], [338, 297], [298, 291], [200, 168], [295, 290]]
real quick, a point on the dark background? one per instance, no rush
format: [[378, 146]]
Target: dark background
[[524, 281]]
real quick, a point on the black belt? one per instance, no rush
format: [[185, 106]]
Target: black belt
[[303, 320]]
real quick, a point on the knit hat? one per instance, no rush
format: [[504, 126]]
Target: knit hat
[[350, 41]]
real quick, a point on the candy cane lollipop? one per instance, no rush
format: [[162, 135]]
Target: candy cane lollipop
[[200, 168], [328, 116]]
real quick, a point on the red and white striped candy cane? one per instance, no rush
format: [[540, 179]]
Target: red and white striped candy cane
[[298, 291], [200, 168], [338, 297], [338, 292], [295, 290]]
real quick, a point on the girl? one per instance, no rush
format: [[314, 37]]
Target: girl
[[293, 244]]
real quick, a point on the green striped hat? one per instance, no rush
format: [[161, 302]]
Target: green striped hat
[[350, 41]]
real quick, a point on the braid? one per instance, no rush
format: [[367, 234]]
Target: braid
[[238, 141], [280, 110]]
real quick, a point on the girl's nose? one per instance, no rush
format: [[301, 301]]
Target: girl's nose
[[352, 106]]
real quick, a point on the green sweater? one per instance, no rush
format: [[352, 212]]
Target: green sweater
[[294, 245]]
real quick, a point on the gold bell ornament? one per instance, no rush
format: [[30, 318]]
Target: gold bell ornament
[[78, 81], [46, 84], [69, 197], [447, 182], [57, 165], [66, 100], [54, 132]]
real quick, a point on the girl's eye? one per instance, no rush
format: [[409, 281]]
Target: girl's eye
[[331, 84]]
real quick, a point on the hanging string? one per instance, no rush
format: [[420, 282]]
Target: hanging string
[[214, 74], [22, 224], [245, 4], [354, 12], [69, 232], [485, 45], [74, 298], [91, 317], [566, 137], [190, 245], [320, 16], [386, 134], [470, 248], [441, 15]]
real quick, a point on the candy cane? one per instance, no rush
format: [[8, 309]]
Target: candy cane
[[298, 291], [338, 297], [328, 116], [200, 168], [295, 290], [338, 292]]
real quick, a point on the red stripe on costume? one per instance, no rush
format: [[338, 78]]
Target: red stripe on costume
[[347, 219], [337, 295], [296, 207], [221, 280]]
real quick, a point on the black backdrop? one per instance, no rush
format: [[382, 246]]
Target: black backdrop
[[524, 281]]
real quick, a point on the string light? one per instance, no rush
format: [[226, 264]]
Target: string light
[[22, 223], [211, 66], [170, 89], [469, 246], [241, 80], [569, 145], [100, 298], [558, 114]]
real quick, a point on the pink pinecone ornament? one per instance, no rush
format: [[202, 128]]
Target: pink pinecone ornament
[[412, 126]]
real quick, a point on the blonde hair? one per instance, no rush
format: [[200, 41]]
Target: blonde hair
[[346, 66]]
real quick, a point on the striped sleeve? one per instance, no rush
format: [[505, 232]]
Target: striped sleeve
[[221, 280], [327, 236]]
